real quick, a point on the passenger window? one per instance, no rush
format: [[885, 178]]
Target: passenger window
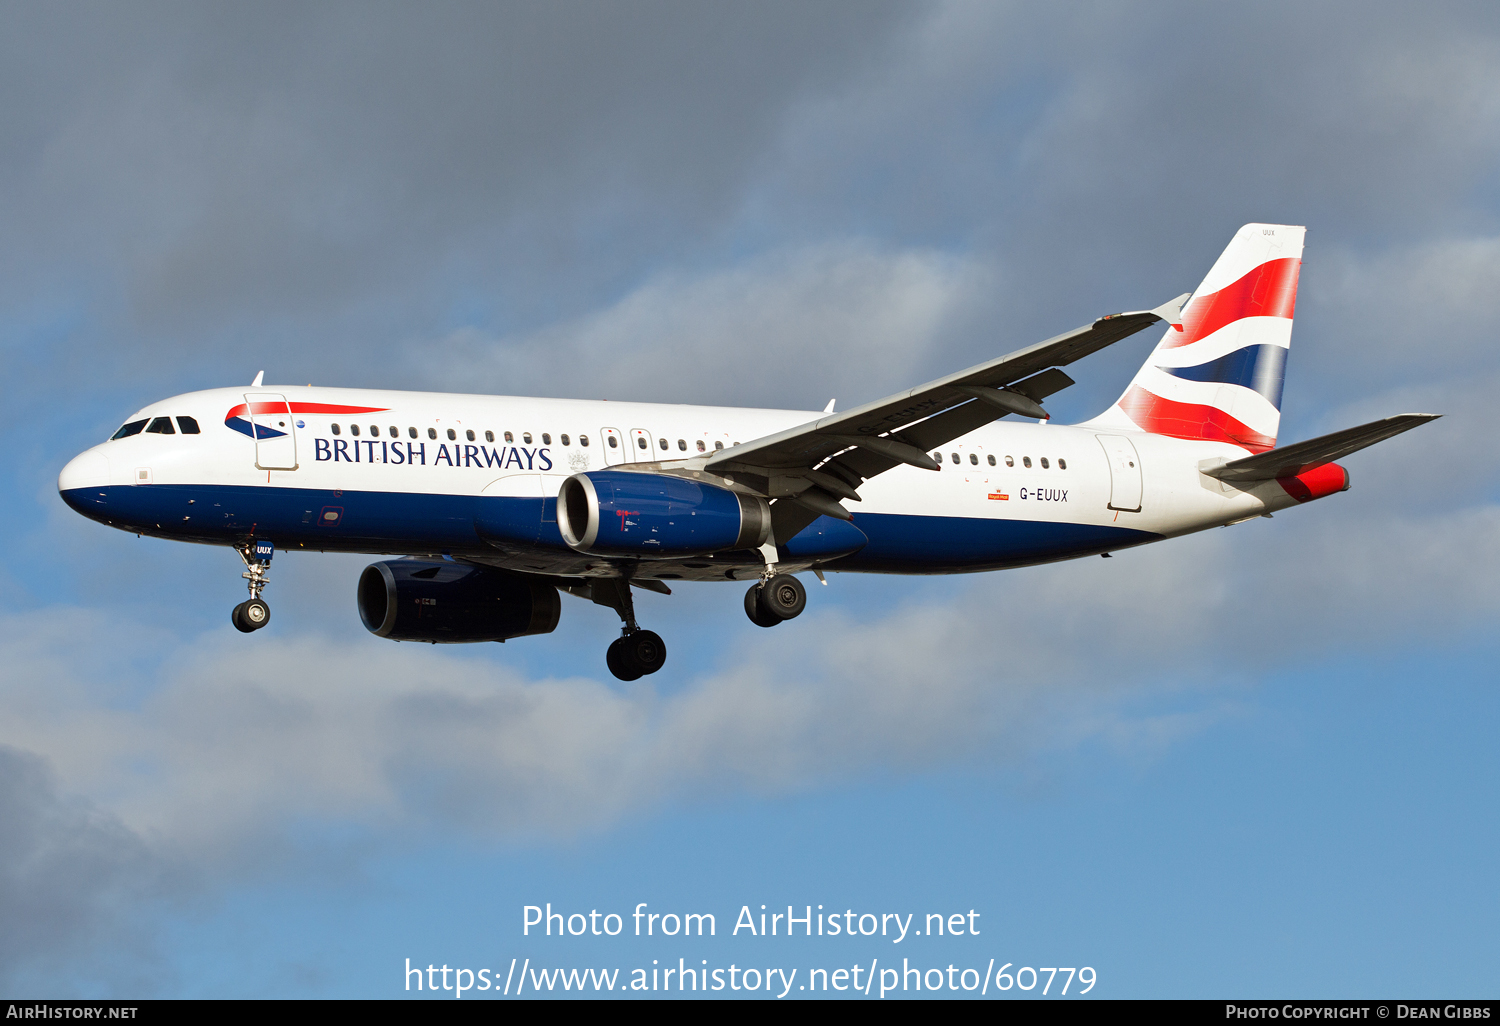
[[1062, 464], [718, 445], [640, 443], [395, 431], [1026, 461], [583, 440], [974, 459], [489, 436], [1010, 462], [452, 435], [526, 438], [188, 425], [412, 432], [432, 432], [354, 429], [663, 442], [701, 446], [955, 457], [1045, 464], [682, 444], [546, 438], [469, 434], [564, 439], [614, 443], [992, 461], [335, 429], [509, 437]]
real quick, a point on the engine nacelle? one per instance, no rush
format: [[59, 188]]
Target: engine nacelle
[[410, 600], [621, 512]]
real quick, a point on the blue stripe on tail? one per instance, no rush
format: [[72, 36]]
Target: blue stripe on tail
[[1262, 368]]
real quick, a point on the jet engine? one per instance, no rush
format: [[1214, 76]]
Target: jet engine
[[412, 600], [614, 512]]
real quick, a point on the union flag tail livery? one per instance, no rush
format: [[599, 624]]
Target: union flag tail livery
[[1218, 375], [496, 506]]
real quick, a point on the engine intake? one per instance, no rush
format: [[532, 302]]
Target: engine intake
[[411, 600], [614, 512]]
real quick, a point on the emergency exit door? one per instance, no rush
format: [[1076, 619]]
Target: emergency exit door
[[614, 447]]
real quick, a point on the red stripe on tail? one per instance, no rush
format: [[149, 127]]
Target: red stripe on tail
[[1190, 420], [1269, 290]]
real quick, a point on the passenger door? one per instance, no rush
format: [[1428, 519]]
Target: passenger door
[[275, 432], [1124, 473]]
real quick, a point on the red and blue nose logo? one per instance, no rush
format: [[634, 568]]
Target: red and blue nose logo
[[273, 419]]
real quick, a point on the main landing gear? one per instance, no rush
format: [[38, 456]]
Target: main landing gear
[[636, 652], [254, 614], [775, 599]]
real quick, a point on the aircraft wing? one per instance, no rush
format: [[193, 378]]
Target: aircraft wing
[[815, 464], [1303, 456]]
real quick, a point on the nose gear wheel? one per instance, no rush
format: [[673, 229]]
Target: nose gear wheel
[[253, 614]]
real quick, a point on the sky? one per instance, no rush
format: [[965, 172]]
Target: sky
[[1255, 762]]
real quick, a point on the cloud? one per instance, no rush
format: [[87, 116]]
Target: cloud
[[851, 316], [217, 162], [213, 756], [71, 874]]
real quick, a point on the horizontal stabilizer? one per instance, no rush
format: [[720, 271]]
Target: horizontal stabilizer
[[1315, 452]]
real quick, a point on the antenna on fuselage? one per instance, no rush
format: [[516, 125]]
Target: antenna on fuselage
[[259, 377]]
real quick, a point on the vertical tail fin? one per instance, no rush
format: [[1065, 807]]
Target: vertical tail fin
[[1219, 375]]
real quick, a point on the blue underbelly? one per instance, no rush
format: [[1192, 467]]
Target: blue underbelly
[[902, 543], [406, 522]]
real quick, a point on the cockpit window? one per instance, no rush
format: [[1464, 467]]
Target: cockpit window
[[133, 428], [188, 425], [161, 426]]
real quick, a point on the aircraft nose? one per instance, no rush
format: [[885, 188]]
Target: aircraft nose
[[86, 470]]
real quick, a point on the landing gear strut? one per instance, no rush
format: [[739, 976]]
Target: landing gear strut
[[635, 652], [775, 599], [254, 614]]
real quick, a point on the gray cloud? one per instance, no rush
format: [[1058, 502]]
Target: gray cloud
[[219, 164], [317, 186], [71, 877], [852, 317]]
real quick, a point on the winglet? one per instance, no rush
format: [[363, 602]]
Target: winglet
[[260, 377], [1172, 312]]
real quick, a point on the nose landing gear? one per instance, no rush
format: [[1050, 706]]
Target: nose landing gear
[[254, 614]]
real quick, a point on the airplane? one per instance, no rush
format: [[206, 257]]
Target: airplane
[[493, 505]]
